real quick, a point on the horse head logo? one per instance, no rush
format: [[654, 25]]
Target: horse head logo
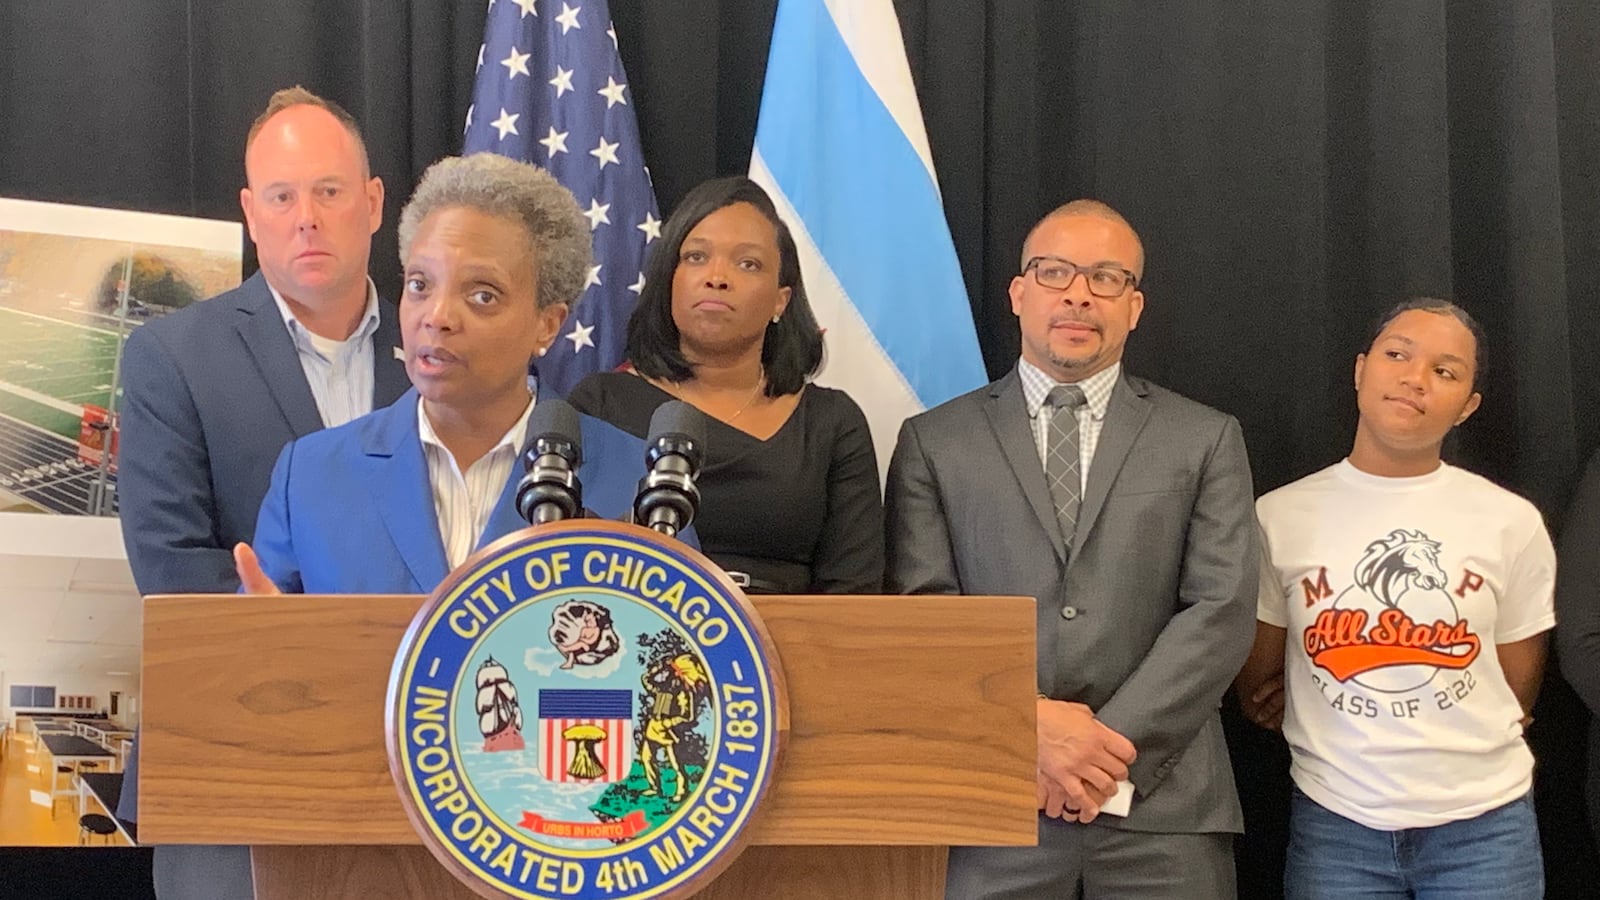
[[1394, 564]]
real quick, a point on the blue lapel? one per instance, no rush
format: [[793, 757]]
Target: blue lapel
[[398, 477], [261, 328], [505, 519], [607, 474], [389, 379]]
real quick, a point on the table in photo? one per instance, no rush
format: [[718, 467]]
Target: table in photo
[[29, 725], [106, 788], [41, 731], [105, 734], [117, 742], [68, 750], [46, 729]]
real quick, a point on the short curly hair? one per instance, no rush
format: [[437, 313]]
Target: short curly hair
[[518, 192]]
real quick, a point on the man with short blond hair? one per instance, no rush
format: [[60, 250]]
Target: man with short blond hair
[[283, 98], [213, 392]]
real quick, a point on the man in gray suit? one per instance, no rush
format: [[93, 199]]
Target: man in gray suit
[[1127, 511], [213, 392]]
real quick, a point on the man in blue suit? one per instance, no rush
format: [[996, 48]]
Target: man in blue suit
[[495, 252], [212, 393]]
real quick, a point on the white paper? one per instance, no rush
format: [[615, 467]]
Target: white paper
[[1119, 803]]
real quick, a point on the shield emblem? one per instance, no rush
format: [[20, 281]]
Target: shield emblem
[[585, 736]]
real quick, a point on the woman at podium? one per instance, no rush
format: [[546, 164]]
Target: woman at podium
[[494, 253], [789, 489]]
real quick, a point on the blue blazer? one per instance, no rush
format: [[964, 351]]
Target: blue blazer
[[211, 393], [350, 509]]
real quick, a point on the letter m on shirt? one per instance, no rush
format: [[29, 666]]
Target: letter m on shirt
[[1320, 590]]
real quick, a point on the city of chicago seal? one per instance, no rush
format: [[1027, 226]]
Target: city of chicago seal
[[585, 710]]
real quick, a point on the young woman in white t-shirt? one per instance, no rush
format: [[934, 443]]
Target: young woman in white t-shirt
[[1402, 621]]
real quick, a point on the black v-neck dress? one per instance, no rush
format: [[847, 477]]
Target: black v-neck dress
[[798, 513]]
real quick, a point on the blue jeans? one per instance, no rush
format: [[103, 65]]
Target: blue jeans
[[1494, 856]]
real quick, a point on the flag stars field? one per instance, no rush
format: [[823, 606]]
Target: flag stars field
[[568, 18], [516, 63], [651, 226], [507, 123], [555, 142], [580, 336], [562, 82], [572, 114], [613, 92], [606, 152]]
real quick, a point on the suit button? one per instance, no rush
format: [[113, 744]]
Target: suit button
[[1069, 612]]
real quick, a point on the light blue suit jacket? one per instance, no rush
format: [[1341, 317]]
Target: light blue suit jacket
[[350, 509]]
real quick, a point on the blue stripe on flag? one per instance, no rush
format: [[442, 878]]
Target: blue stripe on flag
[[555, 704], [868, 203]]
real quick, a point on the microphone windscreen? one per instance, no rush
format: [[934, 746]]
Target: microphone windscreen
[[555, 418], [677, 417]]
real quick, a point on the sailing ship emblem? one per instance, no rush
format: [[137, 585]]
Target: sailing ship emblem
[[499, 714]]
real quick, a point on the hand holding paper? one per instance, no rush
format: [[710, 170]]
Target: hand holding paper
[[1081, 762]]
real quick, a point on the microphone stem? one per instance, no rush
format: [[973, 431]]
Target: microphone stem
[[545, 513]]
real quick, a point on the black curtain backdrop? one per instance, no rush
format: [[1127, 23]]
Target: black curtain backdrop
[[1294, 169]]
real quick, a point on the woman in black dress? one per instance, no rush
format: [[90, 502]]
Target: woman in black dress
[[789, 490]]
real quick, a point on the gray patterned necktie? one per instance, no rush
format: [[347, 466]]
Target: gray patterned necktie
[[1062, 468]]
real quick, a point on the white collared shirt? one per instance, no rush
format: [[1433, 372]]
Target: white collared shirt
[[1036, 385], [340, 373], [464, 501]]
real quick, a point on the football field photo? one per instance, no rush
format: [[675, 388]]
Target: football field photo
[[74, 283]]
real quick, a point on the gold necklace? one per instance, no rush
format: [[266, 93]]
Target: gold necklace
[[677, 391]]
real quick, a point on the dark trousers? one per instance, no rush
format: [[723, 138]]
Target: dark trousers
[[1091, 861]]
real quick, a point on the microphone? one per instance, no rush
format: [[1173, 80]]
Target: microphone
[[668, 499], [551, 491]]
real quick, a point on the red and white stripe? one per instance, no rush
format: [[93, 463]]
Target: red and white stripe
[[556, 752]]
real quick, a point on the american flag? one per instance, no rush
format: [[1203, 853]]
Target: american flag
[[609, 711], [551, 91]]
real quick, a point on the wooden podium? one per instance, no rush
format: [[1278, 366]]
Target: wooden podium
[[911, 729]]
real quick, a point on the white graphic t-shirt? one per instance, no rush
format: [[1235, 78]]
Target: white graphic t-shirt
[[1395, 592]]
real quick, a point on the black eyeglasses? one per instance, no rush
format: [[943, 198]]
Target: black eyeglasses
[[1057, 274]]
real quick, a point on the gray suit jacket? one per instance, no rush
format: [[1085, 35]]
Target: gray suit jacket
[[1151, 616]]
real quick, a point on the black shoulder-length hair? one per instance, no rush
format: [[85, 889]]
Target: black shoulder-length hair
[[792, 349]]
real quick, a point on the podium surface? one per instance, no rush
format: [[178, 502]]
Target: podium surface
[[911, 729]]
